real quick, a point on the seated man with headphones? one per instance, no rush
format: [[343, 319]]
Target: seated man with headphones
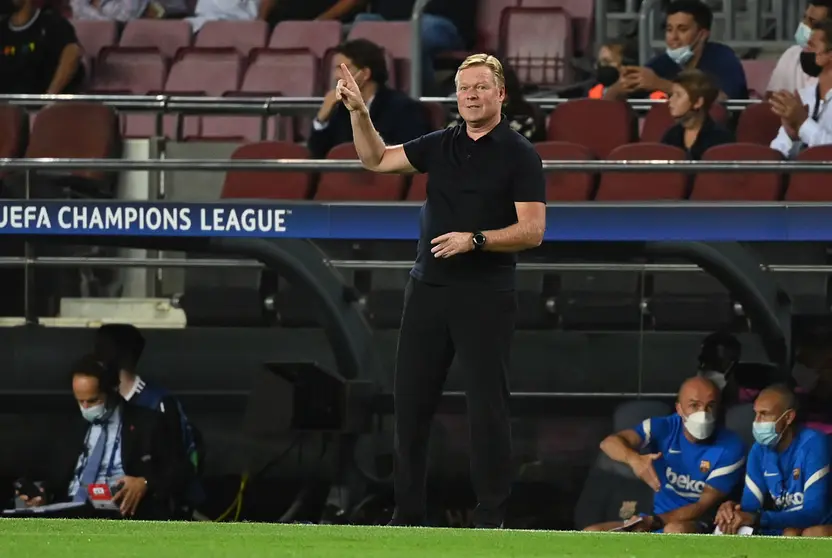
[[126, 451]]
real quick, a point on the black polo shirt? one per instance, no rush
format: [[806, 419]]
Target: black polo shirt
[[472, 186]]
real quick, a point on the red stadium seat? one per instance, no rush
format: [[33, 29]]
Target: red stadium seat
[[93, 35], [811, 186], [566, 186], [212, 70], [240, 35], [77, 131], [394, 37], [248, 128], [537, 43], [13, 132], [598, 124], [137, 70], [580, 12], [318, 37], [418, 190], [293, 72], [643, 186], [758, 74], [167, 35], [489, 14], [268, 185], [745, 186], [367, 186], [656, 123], [757, 124]]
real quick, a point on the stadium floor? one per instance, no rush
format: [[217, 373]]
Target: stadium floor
[[79, 538]]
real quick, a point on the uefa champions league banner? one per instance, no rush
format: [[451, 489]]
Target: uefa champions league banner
[[174, 219], [686, 221]]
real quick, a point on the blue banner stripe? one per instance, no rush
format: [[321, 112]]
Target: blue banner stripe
[[566, 222]]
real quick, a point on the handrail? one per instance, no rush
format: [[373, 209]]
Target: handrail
[[157, 263], [645, 29], [416, 48], [317, 165], [266, 105]]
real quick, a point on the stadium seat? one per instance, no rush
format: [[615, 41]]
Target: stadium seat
[[757, 124], [318, 37], [394, 37], [537, 44], [418, 190], [136, 70], [489, 14], [14, 131], [745, 186], [246, 128], [93, 35], [682, 301], [612, 492], [365, 186], [167, 35], [268, 185], [643, 186], [580, 120], [437, 115], [580, 12], [76, 131], [810, 186], [757, 75], [212, 70], [293, 72], [240, 35], [656, 123], [567, 186], [603, 300]]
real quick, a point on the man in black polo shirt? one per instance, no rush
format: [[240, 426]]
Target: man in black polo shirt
[[485, 201], [39, 53]]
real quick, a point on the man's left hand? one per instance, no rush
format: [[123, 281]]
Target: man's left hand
[[131, 493], [451, 244]]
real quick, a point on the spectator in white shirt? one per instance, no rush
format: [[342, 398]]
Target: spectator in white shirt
[[126, 10], [230, 10], [788, 73], [806, 122]]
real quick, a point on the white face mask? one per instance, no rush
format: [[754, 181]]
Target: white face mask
[[802, 35], [683, 54], [94, 412], [700, 425]]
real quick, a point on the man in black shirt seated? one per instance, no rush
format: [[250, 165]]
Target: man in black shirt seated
[[39, 53], [398, 117], [125, 447]]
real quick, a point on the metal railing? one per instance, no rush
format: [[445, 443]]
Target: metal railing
[[325, 165], [265, 106]]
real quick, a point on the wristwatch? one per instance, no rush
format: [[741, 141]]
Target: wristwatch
[[479, 240]]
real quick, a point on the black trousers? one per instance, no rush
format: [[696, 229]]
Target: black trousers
[[475, 325]]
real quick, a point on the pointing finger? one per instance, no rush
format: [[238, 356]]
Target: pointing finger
[[348, 76]]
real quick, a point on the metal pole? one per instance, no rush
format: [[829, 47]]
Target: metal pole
[[416, 60], [645, 30], [28, 270]]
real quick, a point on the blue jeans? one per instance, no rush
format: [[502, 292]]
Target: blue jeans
[[439, 34]]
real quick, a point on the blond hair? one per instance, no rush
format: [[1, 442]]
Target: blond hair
[[486, 60]]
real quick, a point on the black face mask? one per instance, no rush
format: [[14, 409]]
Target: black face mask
[[809, 65], [607, 75]]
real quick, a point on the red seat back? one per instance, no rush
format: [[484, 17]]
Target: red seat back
[[566, 186], [739, 186], [597, 124], [643, 186], [811, 186], [365, 186], [268, 185]]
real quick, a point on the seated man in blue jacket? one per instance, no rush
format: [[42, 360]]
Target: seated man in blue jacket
[[787, 476], [397, 117], [123, 345]]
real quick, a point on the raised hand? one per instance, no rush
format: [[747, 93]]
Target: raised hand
[[348, 92], [643, 468]]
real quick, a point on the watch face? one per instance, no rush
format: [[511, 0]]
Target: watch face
[[479, 239]]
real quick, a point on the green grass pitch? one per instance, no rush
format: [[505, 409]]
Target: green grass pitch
[[111, 539]]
